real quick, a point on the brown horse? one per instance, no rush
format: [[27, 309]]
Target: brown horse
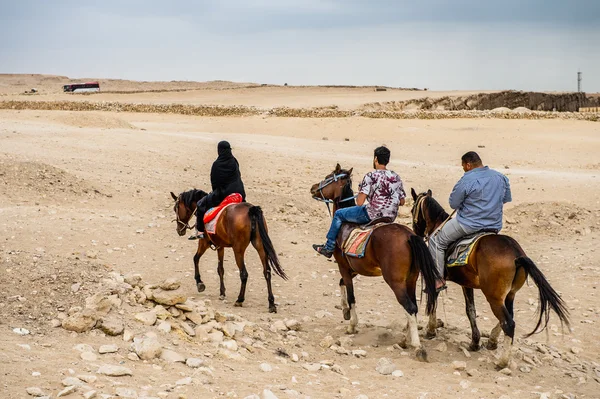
[[498, 267], [236, 228], [393, 251]]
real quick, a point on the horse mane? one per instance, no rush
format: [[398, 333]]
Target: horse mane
[[435, 210], [347, 192], [189, 198]]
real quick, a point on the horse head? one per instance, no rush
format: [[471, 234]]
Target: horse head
[[333, 185], [184, 208]]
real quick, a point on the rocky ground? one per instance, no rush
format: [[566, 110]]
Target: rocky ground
[[97, 297]]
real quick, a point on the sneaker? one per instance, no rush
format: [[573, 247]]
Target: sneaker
[[196, 236], [321, 250]]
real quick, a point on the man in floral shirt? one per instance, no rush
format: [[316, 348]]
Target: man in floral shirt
[[381, 188]]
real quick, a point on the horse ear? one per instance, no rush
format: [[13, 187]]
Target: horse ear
[[350, 172], [429, 193], [338, 167], [174, 196], [413, 193]]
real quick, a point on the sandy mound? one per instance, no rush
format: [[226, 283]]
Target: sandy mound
[[554, 218], [37, 181], [92, 120]]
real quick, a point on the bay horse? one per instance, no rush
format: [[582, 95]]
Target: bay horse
[[498, 266], [393, 251], [237, 227]]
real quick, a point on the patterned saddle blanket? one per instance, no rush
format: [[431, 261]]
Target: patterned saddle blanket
[[458, 253], [355, 238], [211, 217]]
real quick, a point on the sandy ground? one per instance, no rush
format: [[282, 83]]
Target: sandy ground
[[78, 182]]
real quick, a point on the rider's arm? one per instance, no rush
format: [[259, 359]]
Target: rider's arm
[[360, 200], [458, 195], [507, 193]]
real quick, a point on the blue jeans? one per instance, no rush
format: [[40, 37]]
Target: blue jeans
[[353, 214]]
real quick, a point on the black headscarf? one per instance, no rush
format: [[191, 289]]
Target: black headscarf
[[225, 170]]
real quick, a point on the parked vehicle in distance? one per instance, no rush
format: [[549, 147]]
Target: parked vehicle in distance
[[82, 87]]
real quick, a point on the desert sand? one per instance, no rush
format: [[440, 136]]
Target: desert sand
[[84, 200]]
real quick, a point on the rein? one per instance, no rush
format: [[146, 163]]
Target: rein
[[420, 210], [186, 226]]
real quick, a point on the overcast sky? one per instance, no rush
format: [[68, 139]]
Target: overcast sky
[[439, 44]]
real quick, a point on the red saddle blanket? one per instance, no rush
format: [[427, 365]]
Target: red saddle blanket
[[234, 198]]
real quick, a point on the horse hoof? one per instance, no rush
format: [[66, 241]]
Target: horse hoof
[[473, 347], [238, 304], [351, 330], [272, 309], [492, 346], [421, 355], [201, 287], [222, 297], [403, 344], [430, 334], [346, 313]]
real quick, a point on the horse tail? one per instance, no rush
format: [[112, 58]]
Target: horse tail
[[549, 299], [258, 223], [422, 261]]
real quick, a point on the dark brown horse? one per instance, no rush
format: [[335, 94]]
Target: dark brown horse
[[393, 251], [498, 267], [238, 226]]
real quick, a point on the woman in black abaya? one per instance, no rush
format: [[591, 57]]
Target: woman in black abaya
[[225, 179]]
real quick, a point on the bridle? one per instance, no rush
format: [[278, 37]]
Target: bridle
[[419, 210], [185, 226], [330, 180]]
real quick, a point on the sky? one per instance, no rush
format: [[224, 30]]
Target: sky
[[437, 44]]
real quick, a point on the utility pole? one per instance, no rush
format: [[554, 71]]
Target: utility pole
[[579, 82]]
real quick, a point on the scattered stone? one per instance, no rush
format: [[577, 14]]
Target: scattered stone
[[126, 393], [184, 381], [266, 367], [397, 373], [473, 373], [88, 356], [114, 371], [442, 347], [194, 317], [170, 284], [161, 312], [75, 287], [187, 329], [194, 362], [506, 371], [327, 342], [112, 325], [90, 379], [336, 368], [66, 391], [525, 369], [312, 366], [90, 394], [459, 365], [80, 321], [165, 327], [171, 356], [359, 353], [147, 318], [127, 335], [134, 280], [146, 348], [108, 349], [576, 350], [54, 323], [230, 344], [35, 391], [293, 325], [168, 298], [279, 325], [133, 356], [69, 381], [385, 366], [266, 394], [466, 353]]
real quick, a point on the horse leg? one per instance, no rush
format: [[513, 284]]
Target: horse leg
[[221, 272], [507, 324], [431, 325], [471, 314], [202, 247], [239, 260], [492, 343], [347, 288], [344, 295]]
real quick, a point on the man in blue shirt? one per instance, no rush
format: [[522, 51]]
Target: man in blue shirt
[[478, 198]]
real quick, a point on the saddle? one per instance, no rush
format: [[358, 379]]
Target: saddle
[[459, 251], [211, 217], [353, 238]]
